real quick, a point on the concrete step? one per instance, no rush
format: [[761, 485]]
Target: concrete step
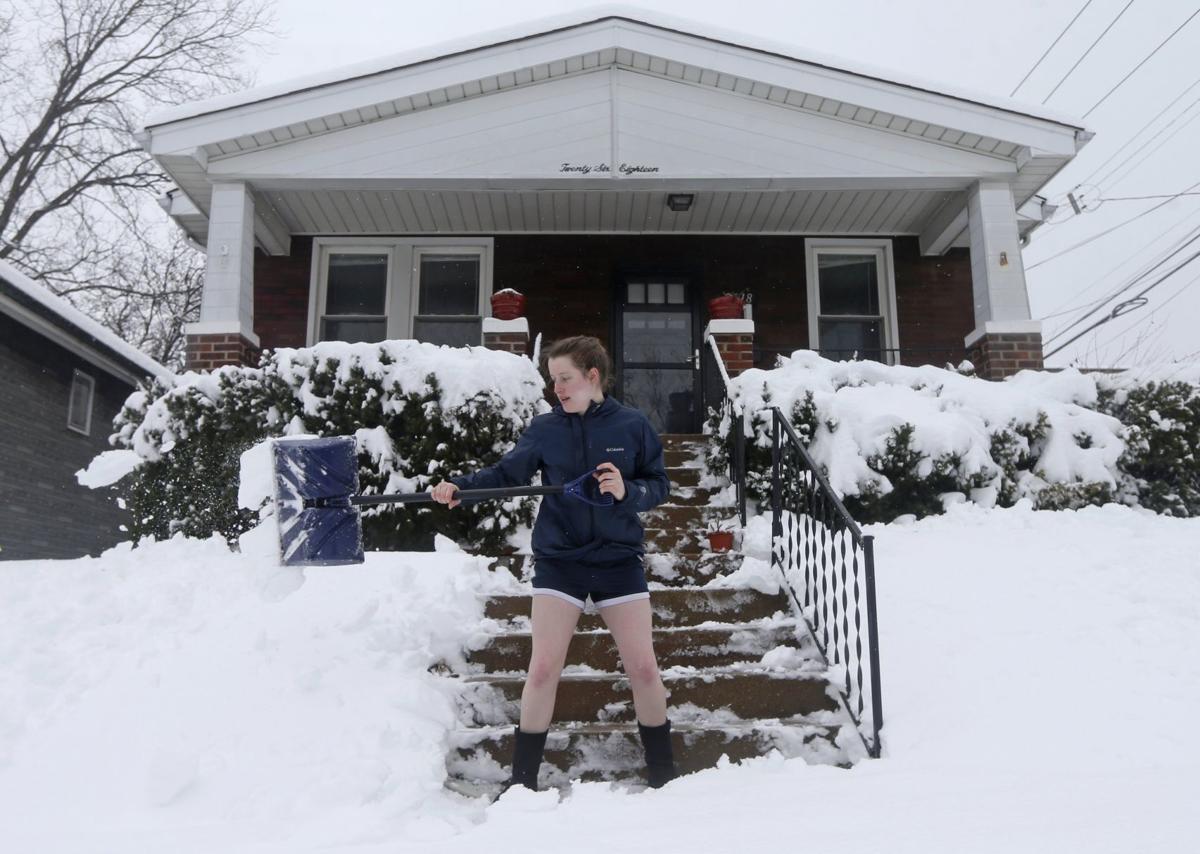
[[681, 477], [721, 693], [676, 440], [701, 519], [683, 456], [681, 606], [614, 751], [708, 646], [674, 560]]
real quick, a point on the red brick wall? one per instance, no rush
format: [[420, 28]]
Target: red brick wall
[[281, 295], [570, 281]]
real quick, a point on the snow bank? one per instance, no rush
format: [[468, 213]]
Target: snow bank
[[1038, 684]]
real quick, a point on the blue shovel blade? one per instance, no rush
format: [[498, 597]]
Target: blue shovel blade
[[317, 468]]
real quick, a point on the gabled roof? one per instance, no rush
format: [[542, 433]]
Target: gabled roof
[[499, 112], [36, 306]]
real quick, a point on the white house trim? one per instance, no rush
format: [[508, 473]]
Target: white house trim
[[882, 250], [403, 271]]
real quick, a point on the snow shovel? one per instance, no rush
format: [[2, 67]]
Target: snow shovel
[[316, 500]]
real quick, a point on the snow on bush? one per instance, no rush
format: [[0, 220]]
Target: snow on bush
[[419, 413], [909, 440]]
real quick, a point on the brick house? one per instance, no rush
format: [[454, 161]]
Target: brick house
[[63, 378], [620, 169]]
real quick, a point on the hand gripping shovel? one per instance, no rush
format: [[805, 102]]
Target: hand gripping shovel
[[316, 500]]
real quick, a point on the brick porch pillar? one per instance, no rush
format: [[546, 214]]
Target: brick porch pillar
[[206, 351], [509, 335], [735, 343], [999, 350]]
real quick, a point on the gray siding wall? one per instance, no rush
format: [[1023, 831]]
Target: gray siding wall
[[44, 512]]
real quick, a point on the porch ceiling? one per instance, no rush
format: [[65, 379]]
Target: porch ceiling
[[417, 211]]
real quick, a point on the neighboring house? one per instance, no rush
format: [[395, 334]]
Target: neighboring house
[[619, 169], [63, 378]]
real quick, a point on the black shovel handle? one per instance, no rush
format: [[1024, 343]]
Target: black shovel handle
[[419, 497]]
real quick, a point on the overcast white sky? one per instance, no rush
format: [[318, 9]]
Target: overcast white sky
[[985, 46]]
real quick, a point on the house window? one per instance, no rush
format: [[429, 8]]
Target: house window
[[79, 409], [356, 297], [368, 289], [448, 298], [851, 301]]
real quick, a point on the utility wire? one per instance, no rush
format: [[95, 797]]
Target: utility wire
[[1059, 311], [1148, 317], [1075, 246], [1052, 44], [1089, 50], [1143, 62], [1195, 235], [1161, 143], [1141, 198], [1131, 304], [1143, 129]]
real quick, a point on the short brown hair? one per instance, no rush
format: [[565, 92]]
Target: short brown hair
[[585, 352]]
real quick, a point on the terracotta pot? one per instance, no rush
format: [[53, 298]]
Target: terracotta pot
[[508, 306], [727, 307], [720, 541]]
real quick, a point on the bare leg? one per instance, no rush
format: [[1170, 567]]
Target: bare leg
[[629, 623], [554, 622]]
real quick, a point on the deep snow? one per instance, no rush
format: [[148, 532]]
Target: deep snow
[[1039, 686]]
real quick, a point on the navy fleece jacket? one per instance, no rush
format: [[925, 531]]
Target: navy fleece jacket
[[563, 446]]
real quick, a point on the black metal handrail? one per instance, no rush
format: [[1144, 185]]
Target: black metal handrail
[[731, 411], [822, 553]]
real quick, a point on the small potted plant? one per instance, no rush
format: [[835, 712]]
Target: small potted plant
[[728, 306], [508, 304], [720, 537]]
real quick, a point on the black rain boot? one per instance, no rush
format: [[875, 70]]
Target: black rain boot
[[527, 759], [660, 762]]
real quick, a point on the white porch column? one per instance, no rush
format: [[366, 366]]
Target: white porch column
[[225, 332], [1005, 339]]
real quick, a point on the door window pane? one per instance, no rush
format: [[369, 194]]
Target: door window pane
[[851, 339], [657, 336], [849, 284], [449, 284], [357, 284], [665, 396], [675, 293], [655, 293], [636, 292]]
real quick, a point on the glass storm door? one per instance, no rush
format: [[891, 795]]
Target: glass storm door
[[657, 356]]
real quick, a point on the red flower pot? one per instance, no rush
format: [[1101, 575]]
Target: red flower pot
[[508, 305], [727, 307], [720, 541]]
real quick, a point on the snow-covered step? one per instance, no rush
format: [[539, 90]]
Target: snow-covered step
[[678, 606], [600, 751], [748, 691], [672, 559], [708, 645], [684, 477]]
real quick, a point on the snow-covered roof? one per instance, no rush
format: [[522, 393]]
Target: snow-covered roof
[[578, 18], [64, 311]]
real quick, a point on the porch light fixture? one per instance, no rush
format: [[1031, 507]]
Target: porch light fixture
[[679, 202]]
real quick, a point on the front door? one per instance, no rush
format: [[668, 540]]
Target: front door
[[657, 351]]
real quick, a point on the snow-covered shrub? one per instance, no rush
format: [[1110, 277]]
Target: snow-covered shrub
[[905, 440], [419, 414], [1162, 441]]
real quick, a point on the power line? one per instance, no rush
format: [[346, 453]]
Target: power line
[[1073, 247], [1179, 244], [1143, 62], [1052, 44], [1142, 130], [1089, 50], [1142, 198], [1131, 304], [1148, 154], [1149, 317], [1192, 238]]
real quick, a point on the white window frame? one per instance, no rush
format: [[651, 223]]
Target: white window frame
[[404, 254], [881, 248], [90, 383]]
